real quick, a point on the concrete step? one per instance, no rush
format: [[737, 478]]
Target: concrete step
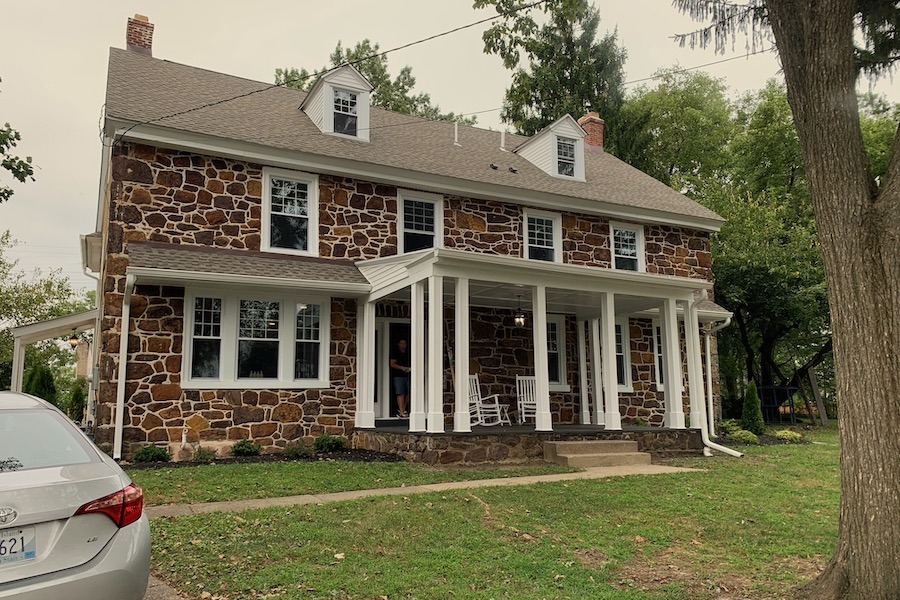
[[553, 449], [606, 459]]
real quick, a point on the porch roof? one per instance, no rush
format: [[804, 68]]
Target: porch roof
[[501, 281], [57, 327]]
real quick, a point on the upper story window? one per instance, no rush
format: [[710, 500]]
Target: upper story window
[[421, 221], [290, 212], [543, 236], [565, 156], [241, 340], [627, 245], [345, 113]]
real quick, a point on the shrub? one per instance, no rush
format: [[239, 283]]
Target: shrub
[[329, 443], [203, 455], [298, 451], [751, 418], [745, 437], [792, 437], [39, 382], [78, 399], [641, 422], [729, 426], [245, 448], [151, 453]]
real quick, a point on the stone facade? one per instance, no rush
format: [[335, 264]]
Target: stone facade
[[191, 199]]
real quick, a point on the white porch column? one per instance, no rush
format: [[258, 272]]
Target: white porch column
[[18, 365], [583, 374], [612, 415], [365, 364], [711, 411], [417, 354], [461, 417], [597, 381], [542, 420], [695, 366], [668, 321], [434, 380]]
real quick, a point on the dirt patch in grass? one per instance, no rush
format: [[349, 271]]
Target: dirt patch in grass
[[591, 558]]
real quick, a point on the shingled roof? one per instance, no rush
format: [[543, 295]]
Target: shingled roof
[[142, 89]]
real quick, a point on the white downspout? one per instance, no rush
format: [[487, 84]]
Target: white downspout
[[704, 420], [123, 364], [709, 388]]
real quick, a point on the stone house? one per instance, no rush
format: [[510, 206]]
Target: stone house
[[260, 250]]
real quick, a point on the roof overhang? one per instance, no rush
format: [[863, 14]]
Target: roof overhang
[[343, 167], [57, 327]]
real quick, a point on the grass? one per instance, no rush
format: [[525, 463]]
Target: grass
[[751, 528], [236, 481]]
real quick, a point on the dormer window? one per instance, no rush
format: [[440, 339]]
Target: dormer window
[[345, 115], [565, 157]]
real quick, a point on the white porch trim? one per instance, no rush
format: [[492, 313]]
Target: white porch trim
[[597, 381], [462, 419], [417, 353], [45, 330], [365, 360], [435, 381], [674, 417], [612, 416], [582, 373], [694, 363], [542, 418]]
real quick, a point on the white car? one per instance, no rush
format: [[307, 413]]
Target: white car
[[72, 524]]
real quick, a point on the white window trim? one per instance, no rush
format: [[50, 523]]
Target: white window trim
[[436, 199], [362, 112], [229, 342], [579, 158], [658, 348], [641, 247], [562, 385], [312, 182], [557, 232], [626, 352]]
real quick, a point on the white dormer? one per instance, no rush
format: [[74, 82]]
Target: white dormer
[[338, 103], [557, 149]]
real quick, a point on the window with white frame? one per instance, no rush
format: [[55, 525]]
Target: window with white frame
[[627, 245], [290, 212], [345, 112], [543, 236], [623, 355], [421, 221], [556, 352], [660, 365], [242, 340], [565, 156]]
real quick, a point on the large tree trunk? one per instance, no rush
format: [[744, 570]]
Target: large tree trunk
[[859, 228]]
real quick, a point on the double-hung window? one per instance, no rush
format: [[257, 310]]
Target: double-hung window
[[627, 244], [244, 340], [565, 157], [660, 364], [623, 355], [421, 221], [543, 236], [345, 112], [290, 212], [556, 353]]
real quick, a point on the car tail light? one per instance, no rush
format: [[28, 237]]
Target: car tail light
[[123, 507]]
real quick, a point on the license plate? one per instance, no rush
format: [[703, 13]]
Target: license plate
[[16, 545]]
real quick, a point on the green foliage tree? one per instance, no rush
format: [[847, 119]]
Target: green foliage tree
[[77, 399], [751, 415], [560, 67], [39, 382], [858, 220], [19, 168], [392, 93]]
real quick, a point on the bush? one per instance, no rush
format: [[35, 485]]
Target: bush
[[329, 443], [245, 448], [78, 399], [203, 455], [640, 422], [151, 453], [792, 437], [729, 426], [751, 418], [298, 451], [745, 437], [39, 382]]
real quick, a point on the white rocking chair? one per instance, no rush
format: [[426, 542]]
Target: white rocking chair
[[526, 398], [485, 410]]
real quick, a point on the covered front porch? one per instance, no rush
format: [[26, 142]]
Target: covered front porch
[[442, 289]]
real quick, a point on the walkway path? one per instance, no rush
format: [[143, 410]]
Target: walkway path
[[158, 590]]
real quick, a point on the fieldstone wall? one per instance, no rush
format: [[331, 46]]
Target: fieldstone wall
[[678, 252], [486, 227]]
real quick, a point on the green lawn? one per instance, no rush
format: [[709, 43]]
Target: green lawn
[[751, 527], [212, 483]]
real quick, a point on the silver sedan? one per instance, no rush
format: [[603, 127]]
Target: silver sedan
[[72, 524]]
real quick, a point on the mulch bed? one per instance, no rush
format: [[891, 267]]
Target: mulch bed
[[354, 455]]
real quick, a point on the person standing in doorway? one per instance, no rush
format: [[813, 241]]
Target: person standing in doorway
[[400, 370]]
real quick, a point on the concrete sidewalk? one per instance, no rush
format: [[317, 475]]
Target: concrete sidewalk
[[158, 590]]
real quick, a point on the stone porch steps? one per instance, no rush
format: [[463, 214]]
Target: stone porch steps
[[595, 453]]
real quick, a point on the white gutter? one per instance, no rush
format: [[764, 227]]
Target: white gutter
[[709, 389], [704, 419], [123, 364]]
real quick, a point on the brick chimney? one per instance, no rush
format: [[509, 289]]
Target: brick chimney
[[593, 127], [139, 35]]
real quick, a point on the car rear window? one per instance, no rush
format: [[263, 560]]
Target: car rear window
[[40, 438]]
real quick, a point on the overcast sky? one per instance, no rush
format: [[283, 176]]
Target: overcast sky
[[54, 77]]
